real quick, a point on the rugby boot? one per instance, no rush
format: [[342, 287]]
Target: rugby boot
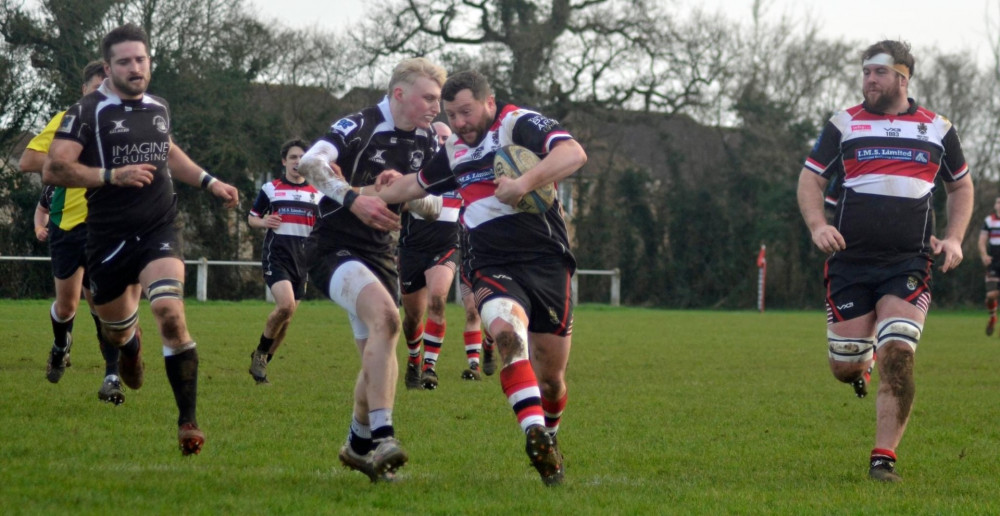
[[387, 457], [412, 378], [363, 463], [58, 361], [544, 455], [429, 379], [883, 469], [191, 439], [258, 367], [472, 373], [111, 391]]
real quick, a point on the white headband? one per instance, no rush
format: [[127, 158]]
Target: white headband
[[884, 59]]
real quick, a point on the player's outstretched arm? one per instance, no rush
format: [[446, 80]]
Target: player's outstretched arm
[[63, 168], [402, 189], [185, 170], [315, 167]]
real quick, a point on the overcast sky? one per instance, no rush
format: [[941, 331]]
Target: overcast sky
[[951, 24]]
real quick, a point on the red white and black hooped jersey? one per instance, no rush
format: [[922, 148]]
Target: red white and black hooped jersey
[[368, 143], [297, 204], [889, 163], [991, 225], [115, 132], [497, 233], [423, 235]]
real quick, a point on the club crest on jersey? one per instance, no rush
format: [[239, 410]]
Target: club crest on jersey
[[911, 283], [416, 159], [922, 128], [160, 124], [119, 127], [344, 126]]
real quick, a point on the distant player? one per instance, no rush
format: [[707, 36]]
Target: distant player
[[116, 142], [989, 253], [520, 263], [428, 259], [60, 219], [881, 242], [287, 209]]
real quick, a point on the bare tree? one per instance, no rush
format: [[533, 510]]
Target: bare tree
[[609, 53]]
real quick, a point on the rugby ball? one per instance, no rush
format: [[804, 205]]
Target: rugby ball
[[512, 161]]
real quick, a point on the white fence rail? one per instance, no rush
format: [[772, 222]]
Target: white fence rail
[[201, 286]]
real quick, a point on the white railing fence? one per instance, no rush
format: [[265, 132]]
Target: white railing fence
[[201, 283]]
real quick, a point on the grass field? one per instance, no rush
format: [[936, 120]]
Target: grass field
[[670, 412]]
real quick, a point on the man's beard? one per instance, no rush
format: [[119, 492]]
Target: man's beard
[[886, 99], [127, 87]]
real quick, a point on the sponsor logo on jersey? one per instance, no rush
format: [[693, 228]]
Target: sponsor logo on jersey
[[543, 124], [845, 306], [119, 127], [502, 277], [461, 152], [861, 127], [377, 157], [344, 126], [146, 152], [67, 123], [164, 246], [893, 154], [160, 124], [893, 131], [476, 176]]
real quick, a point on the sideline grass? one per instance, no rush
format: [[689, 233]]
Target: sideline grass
[[679, 412]]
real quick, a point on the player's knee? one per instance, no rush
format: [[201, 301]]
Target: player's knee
[[849, 350], [118, 332], [164, 289], [386, 322], [284, 313], [472, 317], [437, 305], [65, 308], [899, 329], [511, 347], [170, 317], [551, 387]]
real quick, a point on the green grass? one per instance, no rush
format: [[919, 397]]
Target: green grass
[[680, 412]]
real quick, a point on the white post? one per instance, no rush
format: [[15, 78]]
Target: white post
[[616, 288], [574, 284], [202, 294]]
